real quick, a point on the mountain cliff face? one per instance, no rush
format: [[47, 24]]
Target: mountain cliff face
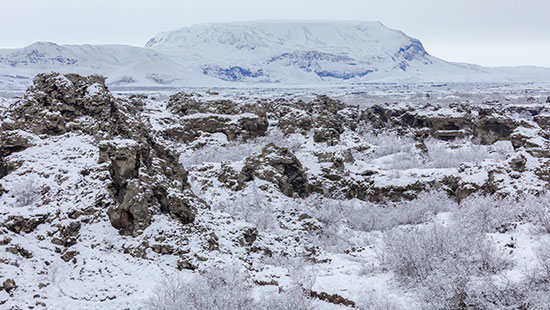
[[281, 52]]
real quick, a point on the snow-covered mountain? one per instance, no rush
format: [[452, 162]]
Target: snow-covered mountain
[[122, 64], [316, 51], [283, 52]]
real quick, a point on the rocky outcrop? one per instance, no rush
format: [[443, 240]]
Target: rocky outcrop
[[4, 168], [13, 141], [19, 224], [146, 176], [55, 100], [279, 166], [491, 127], [147, 179], [236, 121], [328, 118]]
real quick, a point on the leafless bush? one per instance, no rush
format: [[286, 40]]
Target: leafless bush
[[417, 253], [538, 211], [26, 193], [366, 216], [252, 207], [450, 155], [372, 300], [230, 289], [488, 213], [226, 289], [442, 261]]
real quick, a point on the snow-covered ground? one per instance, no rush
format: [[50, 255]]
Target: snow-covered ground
[[348, 209]]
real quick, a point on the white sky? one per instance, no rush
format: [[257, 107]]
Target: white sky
[[486, 32]]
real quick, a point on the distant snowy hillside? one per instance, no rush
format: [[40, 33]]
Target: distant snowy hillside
[[282, 52], [316, 51], [123, 65]]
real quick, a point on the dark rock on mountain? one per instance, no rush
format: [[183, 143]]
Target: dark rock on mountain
[[9, 285]]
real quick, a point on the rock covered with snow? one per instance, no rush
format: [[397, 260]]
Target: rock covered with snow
[[146, 177], [279, 166], [197, 117]]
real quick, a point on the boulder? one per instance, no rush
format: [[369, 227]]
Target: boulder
[[9, 285], [19, 224], [11, 142], [142, 175], [279, 166]]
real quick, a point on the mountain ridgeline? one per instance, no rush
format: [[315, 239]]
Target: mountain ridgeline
[[256, 53]]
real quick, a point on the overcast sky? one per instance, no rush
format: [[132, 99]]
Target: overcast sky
[[485, 32]]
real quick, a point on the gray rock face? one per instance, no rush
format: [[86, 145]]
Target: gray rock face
[[235, 121], [147, 179], [328, 118], [279, 166], [146, 176], [54, 100]]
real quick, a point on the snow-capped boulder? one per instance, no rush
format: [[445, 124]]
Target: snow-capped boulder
[[279, 166]]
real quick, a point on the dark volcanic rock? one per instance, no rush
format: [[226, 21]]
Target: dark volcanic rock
[[279, 166], [146, 176], [9, 285], [146, 179], [19, 224], [243, 121], [12, 141]]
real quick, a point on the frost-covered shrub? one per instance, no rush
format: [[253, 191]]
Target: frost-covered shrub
[[225, 289], [26, 193], [373, 300], [230, 289], [293, 297], [488, 213], [450, 155], [391, 143], [538, 211], [366, 216], [232, 151], [443, 262], [421, 252], [252, 207], [238, 150]]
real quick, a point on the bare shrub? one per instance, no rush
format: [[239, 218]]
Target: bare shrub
[[239, 150], [226, 289], [450, 155], [366, 216], [488, 213], [373, 300], [417, 253], [538, 211], [252, 207], [26, 193], [442, 261]]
